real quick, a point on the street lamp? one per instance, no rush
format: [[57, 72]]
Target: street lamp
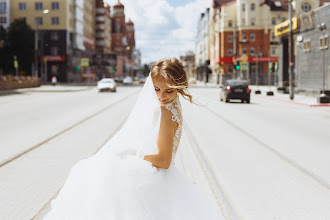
[[46, 11], [323, 98]]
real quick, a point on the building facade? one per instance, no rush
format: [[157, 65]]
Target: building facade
[[202, 50], [312, 44], [4, 13]]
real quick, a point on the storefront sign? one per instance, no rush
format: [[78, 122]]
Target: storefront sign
[[283, 27]]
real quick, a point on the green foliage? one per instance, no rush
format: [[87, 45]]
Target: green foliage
[[18, 41]]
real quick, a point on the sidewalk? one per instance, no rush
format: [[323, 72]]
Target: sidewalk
[[50, 88], [299, 99]]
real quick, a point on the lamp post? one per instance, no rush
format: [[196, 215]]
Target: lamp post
[[36, 33], [323, 98], [291, 52]]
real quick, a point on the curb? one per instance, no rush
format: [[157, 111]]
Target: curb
[[293, 102]]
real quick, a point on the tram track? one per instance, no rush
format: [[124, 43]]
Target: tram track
[[223, 200], [13, 158], [280, 155]]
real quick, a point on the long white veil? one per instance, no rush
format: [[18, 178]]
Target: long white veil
[[140, 131]]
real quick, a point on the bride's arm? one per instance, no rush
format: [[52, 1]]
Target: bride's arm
[[164, 141]]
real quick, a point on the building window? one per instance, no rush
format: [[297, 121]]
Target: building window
[[283, 19], [273, 51], [307, 46], [273, 21], [55, 6], [324, 42], [3, 7], [253, 21], [306, 7], [39, 20], [252, 51], [273, 35], [55, 20], [3, 20], [230, 38], [117, 26], [243, 7], [38, 6], [244, 50], [230, 23], [253, 6], [230, 52], [54, 51], [244, 36], [252, 37], [54, 35], [22, 6]]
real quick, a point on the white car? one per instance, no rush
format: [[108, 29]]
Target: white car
[[107, 84], [128, 80]]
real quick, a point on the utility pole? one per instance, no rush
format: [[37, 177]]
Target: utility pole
[[36, 49], [234, 49], [291, 53]]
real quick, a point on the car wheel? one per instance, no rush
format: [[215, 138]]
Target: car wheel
[[114, 90], [100, 90], [242, 101], [227, 100], [248, 101]]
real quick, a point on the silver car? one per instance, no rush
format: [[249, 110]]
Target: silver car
[[107, 84]]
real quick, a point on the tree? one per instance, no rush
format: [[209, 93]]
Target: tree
[[20, 43], [3, 36]]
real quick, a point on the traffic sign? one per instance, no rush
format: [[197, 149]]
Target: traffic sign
[[244, 57], [15, 64], [276, 66], [244, 65], [84, 62]]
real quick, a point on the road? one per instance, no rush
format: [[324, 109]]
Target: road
[[264, 160]]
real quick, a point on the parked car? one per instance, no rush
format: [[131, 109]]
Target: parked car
[[235, 89], [107, 84], [128, 80]]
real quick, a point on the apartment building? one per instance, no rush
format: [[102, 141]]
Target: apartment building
[[4, 13]]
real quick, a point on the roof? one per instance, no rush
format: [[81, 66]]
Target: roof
[[219, 3], [277, 5], [130, 22], [118, 5]]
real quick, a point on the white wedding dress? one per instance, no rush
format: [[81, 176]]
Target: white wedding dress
[[118, 185]]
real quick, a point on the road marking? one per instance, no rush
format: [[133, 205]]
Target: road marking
[[221, 198], [65, 130], [305, 171]]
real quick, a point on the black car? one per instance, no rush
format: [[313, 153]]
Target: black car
[[235, 89]]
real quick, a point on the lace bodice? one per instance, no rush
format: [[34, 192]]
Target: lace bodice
[[176, 110]]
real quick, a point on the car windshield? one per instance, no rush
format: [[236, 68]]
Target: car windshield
[[237, 83], [106, 81]]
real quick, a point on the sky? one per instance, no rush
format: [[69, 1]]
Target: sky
[[164, 28]]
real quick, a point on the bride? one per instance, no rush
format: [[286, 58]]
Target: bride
[[133, 176]]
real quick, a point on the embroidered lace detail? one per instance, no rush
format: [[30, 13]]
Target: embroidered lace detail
[[175, 108]]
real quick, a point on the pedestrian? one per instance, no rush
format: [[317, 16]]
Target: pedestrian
[[134, 176], [54, 80]]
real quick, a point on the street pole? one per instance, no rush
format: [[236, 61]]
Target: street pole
[[36, 49], [323, 97], [291, 52], [235, 49]]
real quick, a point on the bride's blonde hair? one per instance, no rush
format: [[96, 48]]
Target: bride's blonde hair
[[174, 74]]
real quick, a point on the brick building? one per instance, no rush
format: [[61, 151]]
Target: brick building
[[122, 39]]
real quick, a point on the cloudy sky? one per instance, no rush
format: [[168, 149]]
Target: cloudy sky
[[164, 28]]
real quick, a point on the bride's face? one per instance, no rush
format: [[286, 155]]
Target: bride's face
[[165, 94]]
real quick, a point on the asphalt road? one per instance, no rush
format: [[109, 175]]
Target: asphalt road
[[264, 160]]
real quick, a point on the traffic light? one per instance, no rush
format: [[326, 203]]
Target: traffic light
[[114, 70], [78, 68], [237, 65]]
